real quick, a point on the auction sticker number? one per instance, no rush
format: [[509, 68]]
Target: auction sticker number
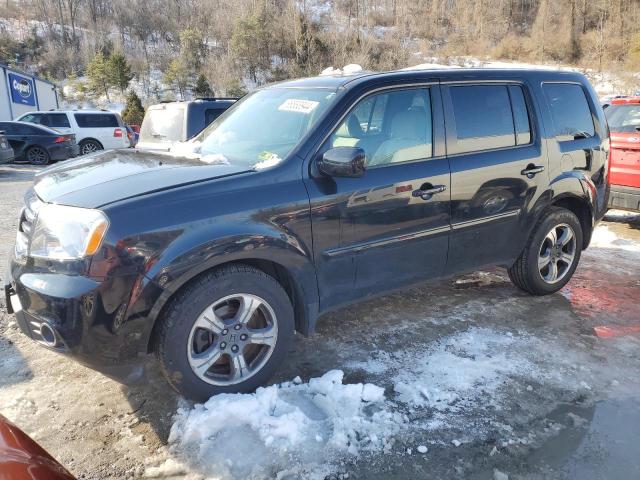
[[300, 106]]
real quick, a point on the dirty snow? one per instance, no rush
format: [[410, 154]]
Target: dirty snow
[[603, 237], [308, 425]]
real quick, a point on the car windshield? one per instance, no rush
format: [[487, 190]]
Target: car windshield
[[262, 128], [163, 124], [624, 118]]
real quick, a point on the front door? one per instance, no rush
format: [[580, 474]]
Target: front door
[[390, 227], [498, 171]]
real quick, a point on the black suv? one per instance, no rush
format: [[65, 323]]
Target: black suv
[[166, 123], [302, 197]]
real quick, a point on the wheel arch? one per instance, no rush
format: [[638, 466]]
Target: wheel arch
[[581, 208], [86, 139], [304, 316]]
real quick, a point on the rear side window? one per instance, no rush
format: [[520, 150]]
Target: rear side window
[[96, 120], [7, 128], [54, 120], [570, 111], [19, 129], [488, 117]]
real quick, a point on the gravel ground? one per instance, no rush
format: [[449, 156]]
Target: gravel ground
[[495, 383]]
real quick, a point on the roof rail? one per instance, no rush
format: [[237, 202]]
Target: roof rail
[[216, 98]]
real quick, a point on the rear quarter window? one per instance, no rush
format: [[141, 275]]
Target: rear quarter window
[[96, 120], [570, 111]]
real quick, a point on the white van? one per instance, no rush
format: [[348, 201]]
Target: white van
[[94, 129]]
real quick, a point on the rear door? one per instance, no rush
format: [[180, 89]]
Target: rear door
[[58, 121], [377, 232], [497, 170]]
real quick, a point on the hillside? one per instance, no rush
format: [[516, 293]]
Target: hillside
[[178, 48]]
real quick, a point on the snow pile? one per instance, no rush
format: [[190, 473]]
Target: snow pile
[[306, 425], [458, 370], [605, 238]]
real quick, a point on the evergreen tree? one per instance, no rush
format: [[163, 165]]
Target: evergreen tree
[[133, 112], [202, 89], [119, 71], [98, 74], [179, 76]]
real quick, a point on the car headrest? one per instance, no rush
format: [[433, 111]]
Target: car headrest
[[351, 128], [409, 124]]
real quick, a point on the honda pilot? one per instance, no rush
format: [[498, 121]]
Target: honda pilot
[[303, 197]]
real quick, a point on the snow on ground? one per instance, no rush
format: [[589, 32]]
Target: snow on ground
[[292, 429], [603, 237]]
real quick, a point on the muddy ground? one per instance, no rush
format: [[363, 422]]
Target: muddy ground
[[496, 383]]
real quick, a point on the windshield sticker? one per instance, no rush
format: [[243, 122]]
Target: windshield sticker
[[268, 159], [300, 106]]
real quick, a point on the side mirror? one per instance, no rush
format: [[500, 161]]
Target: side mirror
[[342, 162]]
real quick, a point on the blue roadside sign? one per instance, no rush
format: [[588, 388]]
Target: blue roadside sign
[[22, 89]]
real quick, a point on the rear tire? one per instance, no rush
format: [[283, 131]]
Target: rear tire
[[89, 146], [226, 332], [37, 156], [551, 254]]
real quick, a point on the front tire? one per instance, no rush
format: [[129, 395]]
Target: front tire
[[225, 333], [551, 254]]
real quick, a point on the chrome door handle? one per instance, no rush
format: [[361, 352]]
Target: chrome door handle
[[430, 191], [532, 170]]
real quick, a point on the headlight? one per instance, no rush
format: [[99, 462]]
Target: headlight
[[67, 233]]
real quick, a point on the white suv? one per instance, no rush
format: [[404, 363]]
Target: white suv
[[94, 129]]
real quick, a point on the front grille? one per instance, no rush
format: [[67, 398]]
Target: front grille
[[27, 222]]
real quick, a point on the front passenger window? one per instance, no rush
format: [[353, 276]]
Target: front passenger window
[[393, 127]]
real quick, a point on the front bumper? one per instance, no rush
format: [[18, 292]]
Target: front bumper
[[81, 318], [624, 198]]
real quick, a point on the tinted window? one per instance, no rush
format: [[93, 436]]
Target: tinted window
[[520, 115], [22, 129], [210, 115], [483, 118], [7, 128], [96, 120], [390, 127], [569, 109], [59, 120]]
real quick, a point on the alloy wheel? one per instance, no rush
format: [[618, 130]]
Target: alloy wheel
[[88, 147], [37, 156], [232, 339], [557, 253]]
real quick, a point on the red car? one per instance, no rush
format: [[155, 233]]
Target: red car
[[624, 160], [21, 458]]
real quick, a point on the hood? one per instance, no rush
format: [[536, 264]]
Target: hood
[[106, 177]]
